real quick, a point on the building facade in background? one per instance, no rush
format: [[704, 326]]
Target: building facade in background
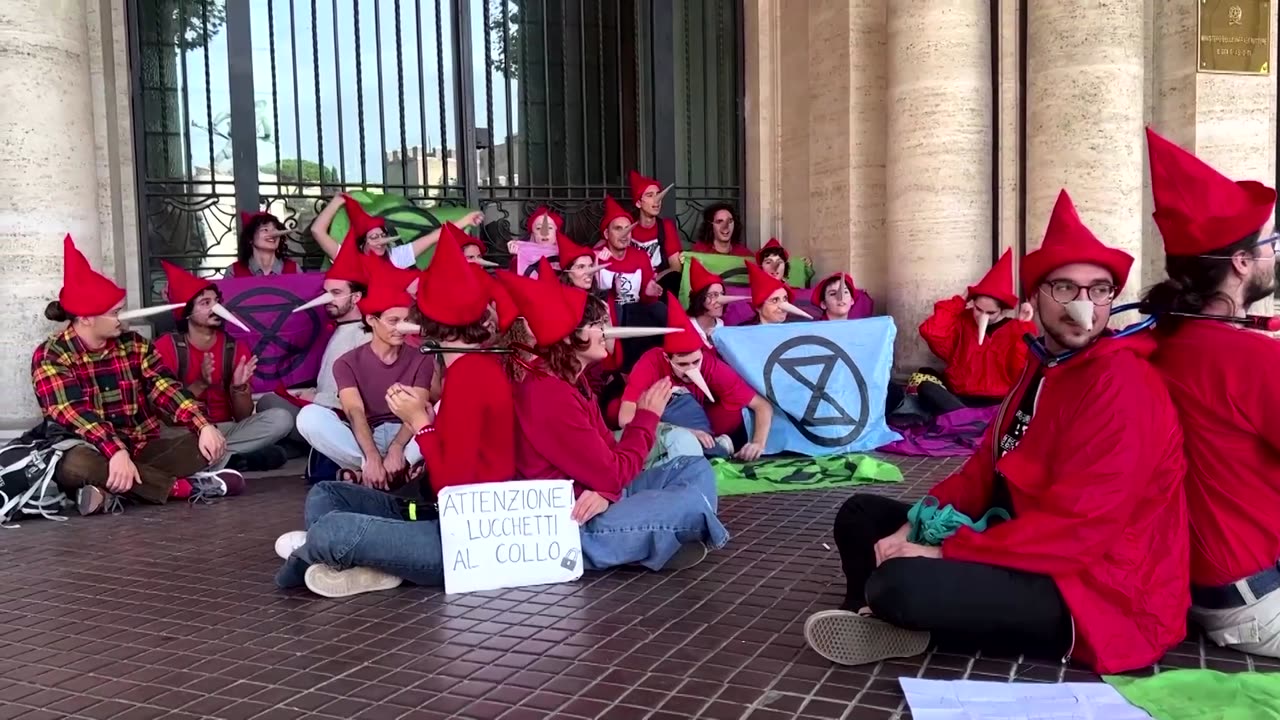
[[906, 142]]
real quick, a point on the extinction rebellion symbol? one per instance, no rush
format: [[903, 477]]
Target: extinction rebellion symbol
[[821, 410], [266, 310]]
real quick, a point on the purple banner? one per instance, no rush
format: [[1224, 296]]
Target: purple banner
[[954, 434], [288, 345]]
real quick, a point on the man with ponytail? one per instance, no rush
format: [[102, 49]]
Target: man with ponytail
[[107, 386], [1219, 239]]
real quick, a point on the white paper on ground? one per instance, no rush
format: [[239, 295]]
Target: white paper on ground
[[978, 700]]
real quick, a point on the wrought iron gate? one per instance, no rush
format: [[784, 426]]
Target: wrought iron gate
[[499, 104]]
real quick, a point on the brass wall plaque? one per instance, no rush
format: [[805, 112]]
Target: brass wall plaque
[[1235, 37]]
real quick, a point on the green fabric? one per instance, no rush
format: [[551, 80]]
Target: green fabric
[[734, 271], [801, 473], [1203, 695], [408, 220], [930, 524]]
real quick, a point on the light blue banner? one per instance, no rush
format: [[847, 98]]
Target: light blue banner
[[827, 381]]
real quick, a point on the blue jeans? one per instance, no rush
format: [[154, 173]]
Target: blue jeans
[[683, 414], [351, 525], [663, 508]]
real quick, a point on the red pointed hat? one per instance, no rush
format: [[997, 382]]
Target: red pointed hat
[[681, 342], [1068, 241], [348, 265], [552, 310], [1198, 209], [449, 292], [613, 211], [502, 301], [183, 286], [763, 285], [700, 278], [556, 220], [639, 184], [998, 283], [570, 251], [773, 244], [388, 288], [359, 222], [85, 292], [547, 272], [821, 286]]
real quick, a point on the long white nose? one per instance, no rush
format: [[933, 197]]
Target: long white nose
[[408, 328], [226, 314], [695, 377], [638, 332], [1082, 312], [725, 299], [314, 302], [484, 263], [148, 311], [793, 310], [983, 321]]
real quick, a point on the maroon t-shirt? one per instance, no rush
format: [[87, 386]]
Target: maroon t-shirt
[[363, 370]]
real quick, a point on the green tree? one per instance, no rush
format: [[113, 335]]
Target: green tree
[[504, 55], [301, 172]]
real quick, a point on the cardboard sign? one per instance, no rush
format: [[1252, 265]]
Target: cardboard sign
[[509, 534]]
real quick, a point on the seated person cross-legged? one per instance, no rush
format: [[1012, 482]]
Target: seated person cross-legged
[[1085, 458], [705, 411], [661, 518], [359, 539], [370, 444]]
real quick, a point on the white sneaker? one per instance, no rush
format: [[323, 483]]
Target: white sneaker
[[331, 583], [290, 541], [724, 442]]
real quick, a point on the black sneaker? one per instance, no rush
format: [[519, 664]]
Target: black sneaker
[[271, 457]]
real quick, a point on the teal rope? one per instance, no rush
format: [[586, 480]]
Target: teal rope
[[930, 524]]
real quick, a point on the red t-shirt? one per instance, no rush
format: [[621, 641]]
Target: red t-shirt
[[731, 392], [1230, 416], [628, 289], [473, 440], [216, 402], [645, 237], [710, 249]]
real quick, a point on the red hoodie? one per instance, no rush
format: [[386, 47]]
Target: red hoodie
[[987, 370], [473, 437], [1097, 489]]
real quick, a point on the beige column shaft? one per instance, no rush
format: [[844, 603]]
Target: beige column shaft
[[48, 175], [1085, 102], [938, 172]]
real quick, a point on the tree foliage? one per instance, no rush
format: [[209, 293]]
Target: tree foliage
[[304, 172], [504, 39]]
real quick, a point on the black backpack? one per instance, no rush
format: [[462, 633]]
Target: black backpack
[[228, 358]]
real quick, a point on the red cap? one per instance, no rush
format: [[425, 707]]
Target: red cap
[[998, 282], [700, 278], [569, 251], [639, 184], [1068, 241], [819, 288], [348, 265], [613, 211], [546, 271], [553, 310], [359, 222], [1198, 209], [388, 288], [773, 244], [544, 210], [247, 217], [763, 285], [681, 342], [85, 292], [183, 286], [449, 292], [502, 302]]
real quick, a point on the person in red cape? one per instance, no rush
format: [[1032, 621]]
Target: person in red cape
[[774, 260], [979, 337], [261, 249], [371, 445], [544, 227], [656, 236], [217, 369], [1220, 249], [605, 378], [1084, 459], [469, 441], [770, 298], [373, 236], [106, 386], [577, 264], [473, 250], [839, 299], [628, 274], [663, 517], [707, 300], [705, 411], [720, 232]]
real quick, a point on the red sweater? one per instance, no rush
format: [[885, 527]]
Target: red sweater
[[473, 437], [560, 433]]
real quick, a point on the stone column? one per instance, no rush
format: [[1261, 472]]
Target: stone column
[[1085, 102], [938, 189], [48, 175]]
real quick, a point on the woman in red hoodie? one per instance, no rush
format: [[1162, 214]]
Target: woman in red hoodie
[[359, 539], [661, 518]]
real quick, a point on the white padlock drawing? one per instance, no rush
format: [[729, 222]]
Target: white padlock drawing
[[570, 560]]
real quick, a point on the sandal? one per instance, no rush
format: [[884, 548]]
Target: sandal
[[351, 476]]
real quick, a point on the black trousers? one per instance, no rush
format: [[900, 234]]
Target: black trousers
[[966, 606]]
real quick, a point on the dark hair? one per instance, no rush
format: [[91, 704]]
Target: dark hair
[[822, 289], [706, 231], [698, 302], [1195, 281], [245, 247], [356, 287], [55, 312], [786, 264], [476, 333], [562, 357]]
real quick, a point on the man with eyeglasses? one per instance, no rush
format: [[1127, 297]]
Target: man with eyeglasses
[[1220, 246], [1065, 535]]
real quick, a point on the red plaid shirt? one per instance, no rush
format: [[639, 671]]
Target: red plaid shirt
[[110, 397]]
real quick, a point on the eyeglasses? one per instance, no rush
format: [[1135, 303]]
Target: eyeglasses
[[1064, 291], [1273, 239]]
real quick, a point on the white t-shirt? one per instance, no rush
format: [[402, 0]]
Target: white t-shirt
[[402, 256], [346, 337]]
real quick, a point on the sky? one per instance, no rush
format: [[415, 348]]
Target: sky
[[336, 93]]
